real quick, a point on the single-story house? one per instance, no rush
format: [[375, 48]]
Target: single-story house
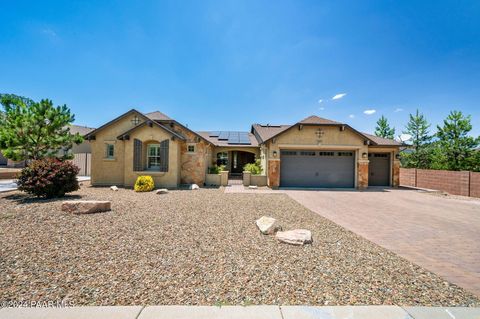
[[314, 152]]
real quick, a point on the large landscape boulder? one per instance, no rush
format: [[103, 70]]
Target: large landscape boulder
[[267, 225], [114, 188], [86, 206], [162, 191], [295, 237], [194, 187]]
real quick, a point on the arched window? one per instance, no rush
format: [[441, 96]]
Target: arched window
[[222, 158]]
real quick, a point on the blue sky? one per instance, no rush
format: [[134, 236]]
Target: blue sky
[[223, 65]]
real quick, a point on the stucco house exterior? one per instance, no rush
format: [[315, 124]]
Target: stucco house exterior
[[314, 152]]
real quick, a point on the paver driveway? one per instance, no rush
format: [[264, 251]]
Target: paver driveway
[[438, 233]]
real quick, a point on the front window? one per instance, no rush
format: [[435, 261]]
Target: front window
[[191, 148], [153, 156], [110, 151], [222, 158]]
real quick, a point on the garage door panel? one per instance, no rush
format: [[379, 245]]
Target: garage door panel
[[317, 169]]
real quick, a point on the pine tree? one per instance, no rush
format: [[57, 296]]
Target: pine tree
[[34, 130], [458, 147], [383, 129], [418, 129]]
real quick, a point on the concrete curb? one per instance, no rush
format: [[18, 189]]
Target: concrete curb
[[240, 312]]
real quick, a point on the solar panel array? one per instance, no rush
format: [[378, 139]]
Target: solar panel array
[[238, 138]]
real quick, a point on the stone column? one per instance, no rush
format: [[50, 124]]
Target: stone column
[[274, 173], [362, 171], [224, 178], [396, 173], [246, 178]]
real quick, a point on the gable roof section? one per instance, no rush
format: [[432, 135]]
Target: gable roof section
[[132, 111], [150, 123], [265, 132], [313, 119], [158, 116], [82, 130], [380, 141]]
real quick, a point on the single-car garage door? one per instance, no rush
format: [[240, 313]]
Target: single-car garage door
[[322, 169]]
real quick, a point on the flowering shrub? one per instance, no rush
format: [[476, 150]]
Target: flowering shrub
[[48, 178], [144, 184]]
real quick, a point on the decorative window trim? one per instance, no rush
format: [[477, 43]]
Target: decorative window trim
[[150, 156], [109, 155], [189, 145]]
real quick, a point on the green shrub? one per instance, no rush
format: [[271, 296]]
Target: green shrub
[[216, 169], [144, 184], [254, 168], [49, 178]]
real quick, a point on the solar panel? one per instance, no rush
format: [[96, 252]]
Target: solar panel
[[239, 138], [224, 135], [214, 134]]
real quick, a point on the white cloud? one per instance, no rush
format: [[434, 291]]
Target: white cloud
[[351, 116], [405, 137], [339, 96], [321, 108], [398, 109], [320, 101], [369, 112], [49, 32]]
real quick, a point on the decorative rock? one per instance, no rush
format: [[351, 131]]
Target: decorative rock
[[295, 237], [253, 186], [194, 186], [267, 225], [86, 206], [114, 188], [162, 191]]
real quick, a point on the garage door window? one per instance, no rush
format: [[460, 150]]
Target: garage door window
[[345, 153], [326, 153], [307, 153], [288, 153]]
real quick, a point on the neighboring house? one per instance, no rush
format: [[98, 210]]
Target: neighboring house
[[314, 152]]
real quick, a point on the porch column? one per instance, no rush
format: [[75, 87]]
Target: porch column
[[396, 173], [274, 173], [362, 171]]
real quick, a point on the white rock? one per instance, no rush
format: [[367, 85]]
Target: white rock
[[162, 191], [114, 188], [86, 206], [295, 237], [194, 186], [267, 225], [253, 186]]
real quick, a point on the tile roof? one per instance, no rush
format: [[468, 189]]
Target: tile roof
[[382, 141], [313, 119], [267, 131], [157, 116], [215, 141]]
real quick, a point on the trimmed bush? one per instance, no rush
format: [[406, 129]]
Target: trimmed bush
[[254, 168], [144, 184], [216, 169], [49, 177]]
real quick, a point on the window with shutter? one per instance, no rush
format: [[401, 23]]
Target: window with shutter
[[137, 155], [164, 155]]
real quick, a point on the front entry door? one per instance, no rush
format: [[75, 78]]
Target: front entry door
[[240, 159]]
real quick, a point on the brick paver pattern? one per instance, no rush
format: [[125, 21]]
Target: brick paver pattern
[[440, 234]]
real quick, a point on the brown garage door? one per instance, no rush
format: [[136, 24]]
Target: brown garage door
[[379, 169], [317, 169]]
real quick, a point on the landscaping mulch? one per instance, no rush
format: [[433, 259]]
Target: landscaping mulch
[[198, 248]]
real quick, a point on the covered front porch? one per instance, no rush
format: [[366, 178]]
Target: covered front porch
[[234, 159]]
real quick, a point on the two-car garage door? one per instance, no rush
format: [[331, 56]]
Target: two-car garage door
[[319, 169]]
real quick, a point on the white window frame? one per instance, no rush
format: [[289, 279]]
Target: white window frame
[[107, 150], [149, 147], [194, 148]]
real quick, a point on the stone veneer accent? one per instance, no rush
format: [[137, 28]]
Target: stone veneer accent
[[274, 173], [362, 168], [396, 173]]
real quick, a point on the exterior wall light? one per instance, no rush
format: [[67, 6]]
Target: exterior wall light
[[274, 153], [364, 155]]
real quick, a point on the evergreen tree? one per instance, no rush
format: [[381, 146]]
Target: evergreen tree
[[34, 130], [383, 129], [457, 146], [418, 129]]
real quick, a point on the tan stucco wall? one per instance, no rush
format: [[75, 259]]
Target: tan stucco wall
[[109, 171], [155, 135]]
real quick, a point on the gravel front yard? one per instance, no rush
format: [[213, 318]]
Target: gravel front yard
[[198, 247]]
